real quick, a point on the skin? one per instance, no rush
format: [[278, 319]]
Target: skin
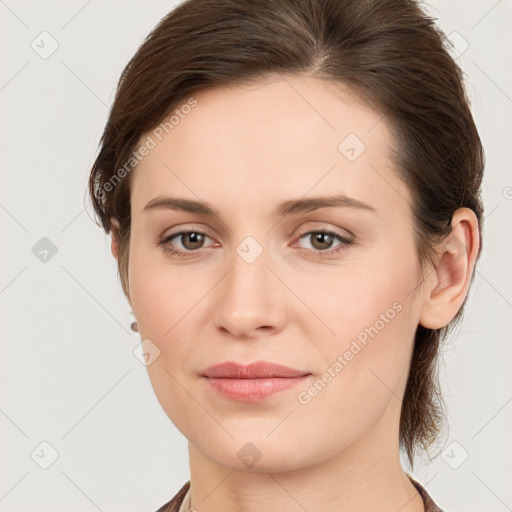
[[244, 150]]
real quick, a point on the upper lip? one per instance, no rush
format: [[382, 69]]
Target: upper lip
[[259, 369]]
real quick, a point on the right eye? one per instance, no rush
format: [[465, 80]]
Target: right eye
[[191, 241]]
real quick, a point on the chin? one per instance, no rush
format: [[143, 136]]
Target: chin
[[258, 454]]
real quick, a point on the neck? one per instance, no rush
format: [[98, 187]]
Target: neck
[[365, 476]]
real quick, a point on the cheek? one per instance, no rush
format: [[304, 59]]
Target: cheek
[[161, 294], [167, 302], [368, 321]]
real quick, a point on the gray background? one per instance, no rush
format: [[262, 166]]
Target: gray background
[[68, 373]]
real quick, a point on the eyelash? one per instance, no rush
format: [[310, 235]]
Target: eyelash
[[345, 242]]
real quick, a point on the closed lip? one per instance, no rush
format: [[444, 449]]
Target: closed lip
[[257, 370]]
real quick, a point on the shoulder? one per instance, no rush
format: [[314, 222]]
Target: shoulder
[[174, 504], [428, 502]]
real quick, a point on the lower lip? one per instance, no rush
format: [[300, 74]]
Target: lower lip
[[252, 390]]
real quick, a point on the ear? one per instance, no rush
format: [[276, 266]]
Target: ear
[[115, 244], [115, 238], [448, 284]]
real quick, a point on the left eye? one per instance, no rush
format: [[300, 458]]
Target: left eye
[[322, 240]]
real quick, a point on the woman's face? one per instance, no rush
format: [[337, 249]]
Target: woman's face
[[263, 286]]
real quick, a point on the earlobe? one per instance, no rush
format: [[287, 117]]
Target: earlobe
[[449, 283]]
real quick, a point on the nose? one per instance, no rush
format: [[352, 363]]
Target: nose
[[250, 299]]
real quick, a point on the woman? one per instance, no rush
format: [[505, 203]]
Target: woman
[[293, 192]]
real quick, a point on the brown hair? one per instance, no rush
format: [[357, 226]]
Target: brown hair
[[389, 52]]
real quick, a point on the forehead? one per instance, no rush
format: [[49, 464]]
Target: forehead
[[262, 142]]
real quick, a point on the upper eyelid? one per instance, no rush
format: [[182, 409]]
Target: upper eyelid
[[324, 227]]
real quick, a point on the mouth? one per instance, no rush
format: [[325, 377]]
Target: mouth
[[249, 383]]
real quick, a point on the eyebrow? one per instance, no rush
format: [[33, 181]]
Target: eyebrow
[[290, 207]]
